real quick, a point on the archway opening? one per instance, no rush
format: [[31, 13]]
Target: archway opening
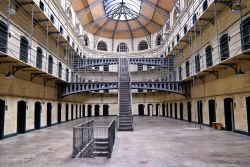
[[89, 110], [163, 110], [150, 109], [212, 114], [67, 112], [248, 113], [59, 112], [141, 109], [2, 117], [72, 111], [83, 110], [229, 114], [97, 110], [105, 110], [200, 112], [49, 113], [175, 111], [21, 117], [181, 111], [38, 108], [189, 110]]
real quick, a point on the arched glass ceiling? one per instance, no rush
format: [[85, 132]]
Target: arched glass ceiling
[[122, 9]]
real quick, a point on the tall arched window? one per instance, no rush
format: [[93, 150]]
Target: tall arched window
[[3, 36], [204, 6], [86, 40], [50, 65], [209, 58], [224, 47], [24, 49], [175, 16], [179, 73], [245, 34], [39, 58], [122, 47], [187, 69], [67, 74], [60, 70], [143, 45], [158, 40], [197, 63], [102, 46]]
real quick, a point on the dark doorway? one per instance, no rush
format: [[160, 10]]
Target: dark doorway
[[3, 36], [181, 111], [49, 113], [76, 111], [83, 110], [2, 116], [248, 113], [150, 106], [141, 109], [163, 110], [167, 110], [80, 111], [59, 112], [229, 114], [189, 110], [89, 110], [211, 110], [199, 112], [67, 112], [72, 111], [171, 110], [38, 108], [175, 110], [97, 110], [105, 110], [21, 116], [158, 109]]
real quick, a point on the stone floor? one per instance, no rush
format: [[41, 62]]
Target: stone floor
[[155, 142]]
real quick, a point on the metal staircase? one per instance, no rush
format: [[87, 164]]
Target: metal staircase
[[125, 118]]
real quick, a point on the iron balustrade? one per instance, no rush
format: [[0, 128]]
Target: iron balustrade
[[175, 87], [90, 141]]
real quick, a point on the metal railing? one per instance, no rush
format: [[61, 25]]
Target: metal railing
[[86, 137]]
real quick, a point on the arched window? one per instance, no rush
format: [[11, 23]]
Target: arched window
[[224, 47], [194, 18], [187, 69], [209, 59], [67, 74], [24, 48], [86, 40], [70, 15], [185, 29], [204, 6], [143, 45], [179, 73], [39, 58], [246, 34], [158, 40], [50, 65], [52, 19], [122, 47], [60, 70], [3, 36], [175, 16], [102, 46], [197, 63]]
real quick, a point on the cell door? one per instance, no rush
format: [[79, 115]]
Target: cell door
[[212, 114], [38, 115], [2, 117], [21, 117], [229, 114]]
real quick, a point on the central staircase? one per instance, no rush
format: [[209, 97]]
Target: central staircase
[[125, 118]]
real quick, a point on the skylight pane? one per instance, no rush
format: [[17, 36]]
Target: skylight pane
[[122, 9]]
